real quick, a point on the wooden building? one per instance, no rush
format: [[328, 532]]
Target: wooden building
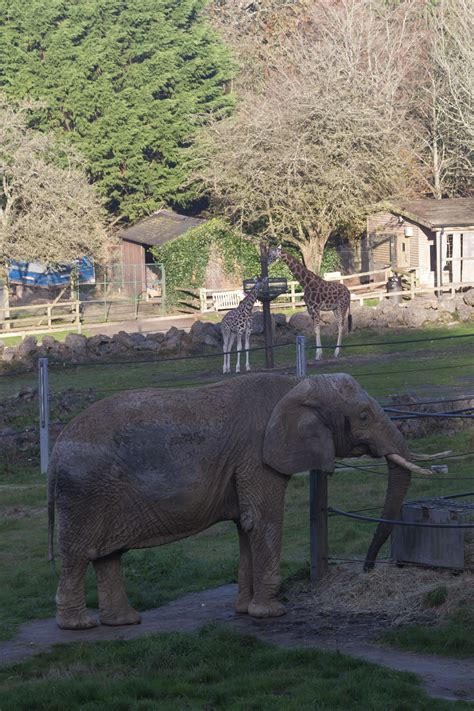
[[140, 274], [435, 238]]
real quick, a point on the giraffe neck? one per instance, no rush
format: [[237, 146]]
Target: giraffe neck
[[246, 304], [299, 271]]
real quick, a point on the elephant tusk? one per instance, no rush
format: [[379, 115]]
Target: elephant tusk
[[397, 459], [429, 457]]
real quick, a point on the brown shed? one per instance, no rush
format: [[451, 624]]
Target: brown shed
[[157, 229], [435, 238]]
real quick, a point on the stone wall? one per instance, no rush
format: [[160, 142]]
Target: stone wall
[[205, 335]]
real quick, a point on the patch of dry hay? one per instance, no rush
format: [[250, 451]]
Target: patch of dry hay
[[397, 594]]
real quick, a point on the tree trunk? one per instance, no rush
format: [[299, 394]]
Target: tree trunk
[[4, 297], [312, 251]]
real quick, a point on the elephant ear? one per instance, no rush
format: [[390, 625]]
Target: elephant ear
[[296, 437]]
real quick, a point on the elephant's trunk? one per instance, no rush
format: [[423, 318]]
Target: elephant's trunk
[[398, 482]]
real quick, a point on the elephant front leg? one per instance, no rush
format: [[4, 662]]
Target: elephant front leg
[[114, 606], [245, 577], [70, 598], [265, 543]]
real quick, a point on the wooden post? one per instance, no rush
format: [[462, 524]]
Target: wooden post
[[48, 311], [267, 318], [293, 294], [203, 300], [318, 524], [6, 305], [78, 316]]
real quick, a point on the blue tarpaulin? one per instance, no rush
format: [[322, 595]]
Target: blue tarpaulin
[[36, 274]]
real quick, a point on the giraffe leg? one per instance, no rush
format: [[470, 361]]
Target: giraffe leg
[[317, 331], [247, 346], [239, 348], [340, 326], [225, 348], [229, 348]]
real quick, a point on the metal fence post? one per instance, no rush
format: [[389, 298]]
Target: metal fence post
[[300, 357], [318, 497], [43, 396], [318, 524]]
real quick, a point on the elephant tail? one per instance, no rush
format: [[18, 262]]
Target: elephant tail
[[51, 509]]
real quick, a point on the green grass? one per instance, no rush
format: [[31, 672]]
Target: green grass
[[215, 669], [452, 638]]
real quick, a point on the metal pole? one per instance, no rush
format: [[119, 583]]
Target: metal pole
[[318, 524], [43, 392], [300, 357], [267, 317]]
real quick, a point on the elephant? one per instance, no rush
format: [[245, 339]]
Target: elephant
[[146, 467]]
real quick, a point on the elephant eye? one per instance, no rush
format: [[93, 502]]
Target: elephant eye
[[364, 417]]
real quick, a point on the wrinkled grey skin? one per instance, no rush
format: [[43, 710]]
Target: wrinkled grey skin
[[147, 467]]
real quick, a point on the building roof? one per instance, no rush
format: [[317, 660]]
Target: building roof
[[160, 227], [434, 214]]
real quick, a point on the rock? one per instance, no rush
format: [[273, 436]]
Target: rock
[[148, 345], [174, 338], [97, 341], [280, 320], [257, 323], [468, 297], [123, 339], [27, 348], [204, 332], [77, 343], [2, 346], [158, 337], [9, 354], [448, 304], [137, 338], [211, 340], [301, 323]]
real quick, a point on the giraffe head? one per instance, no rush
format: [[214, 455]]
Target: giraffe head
[[260, 283], [274, 253]]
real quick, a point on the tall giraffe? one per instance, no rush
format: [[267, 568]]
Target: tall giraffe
[[319, 295], [238, 322]]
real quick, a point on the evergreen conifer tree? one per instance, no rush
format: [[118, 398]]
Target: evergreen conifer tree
[[128, 82]]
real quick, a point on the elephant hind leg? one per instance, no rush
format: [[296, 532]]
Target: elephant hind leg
[[245, 578], [71, 613], [114, 606]]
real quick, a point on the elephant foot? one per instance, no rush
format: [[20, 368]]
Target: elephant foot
[[242, 604], [269, 609], [83, 621], [121, 617]]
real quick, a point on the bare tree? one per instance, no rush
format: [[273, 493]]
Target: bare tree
[[443, 103], [321, 141], [48, 210]]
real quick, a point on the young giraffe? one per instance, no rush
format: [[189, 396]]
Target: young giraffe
[[319, 295], [238, 322]]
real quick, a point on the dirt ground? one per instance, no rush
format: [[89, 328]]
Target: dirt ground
[[349, 634]]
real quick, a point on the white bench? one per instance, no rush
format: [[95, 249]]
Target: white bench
[[225, 300]]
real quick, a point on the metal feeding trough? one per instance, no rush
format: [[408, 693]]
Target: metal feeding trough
[[276, 287], [438, 547]]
